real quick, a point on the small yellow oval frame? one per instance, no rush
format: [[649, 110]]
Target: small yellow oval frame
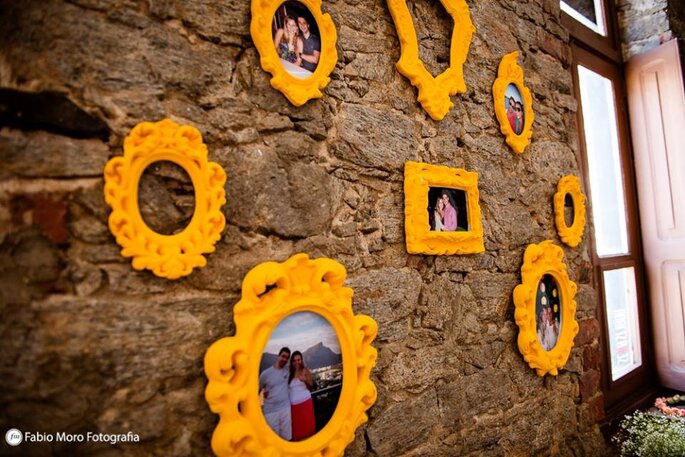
[[434, 93], [539, 260], [232, 364], [420, 239], [509, 72], [570, 185], [297, 91], [168, 256]]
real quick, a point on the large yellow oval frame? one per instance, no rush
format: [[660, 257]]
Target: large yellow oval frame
[[539, 260], [297, 91], [509, 72], [434, 93], [168, 256], [420, 239], [570, 185], [232, 364]]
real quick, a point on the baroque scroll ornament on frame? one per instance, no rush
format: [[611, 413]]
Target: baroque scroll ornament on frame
[[434, 92]]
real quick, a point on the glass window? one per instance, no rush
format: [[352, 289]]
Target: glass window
[[606, 164], [602, 148], [587, 12], [620, 299]]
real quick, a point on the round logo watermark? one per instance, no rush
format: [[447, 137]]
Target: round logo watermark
[[14, 437]]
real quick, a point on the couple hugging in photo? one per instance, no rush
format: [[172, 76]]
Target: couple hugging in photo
[[547, 323], [296, 44], [515, 115], [288, 405], [445, 214]]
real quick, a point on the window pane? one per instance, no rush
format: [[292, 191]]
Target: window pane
[[624, 336], [606, 180], [587, 12]]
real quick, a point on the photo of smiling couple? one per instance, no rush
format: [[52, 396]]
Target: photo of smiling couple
[[287, 386]]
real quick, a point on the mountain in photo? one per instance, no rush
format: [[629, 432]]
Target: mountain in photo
[[268, 360], [317, 356]]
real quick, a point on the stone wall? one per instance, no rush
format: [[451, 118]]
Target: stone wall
[[92, 345], [676, 17], [644, 25]]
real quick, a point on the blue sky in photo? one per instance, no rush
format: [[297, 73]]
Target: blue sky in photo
[[512, 91]]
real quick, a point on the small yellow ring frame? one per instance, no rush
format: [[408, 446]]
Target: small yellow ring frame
[[570, 185], [418, 179], [168, 256], [232, 364], [509, 72], [434, 93], [542, 259], [297, 91]]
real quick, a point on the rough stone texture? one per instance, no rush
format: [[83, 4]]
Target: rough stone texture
[[92, 345], [676, 17], [644, 25], [45, 155]]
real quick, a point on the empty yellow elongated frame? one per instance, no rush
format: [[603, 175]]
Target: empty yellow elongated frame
[[434, 93], [168, 256], [570, 185], [232, 364], [297, 91], [509, 72], [542, 259], [420, 239]]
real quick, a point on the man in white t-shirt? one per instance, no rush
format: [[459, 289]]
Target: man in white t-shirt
[[274, 382]]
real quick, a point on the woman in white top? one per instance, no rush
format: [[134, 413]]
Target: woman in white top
[[301, 404]]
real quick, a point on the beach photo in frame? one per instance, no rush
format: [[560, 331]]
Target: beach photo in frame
[[442, 210], [167, 256], [545, 309], [513, 104], [296, 44], [569, 198], [434, 92], [294, 380]]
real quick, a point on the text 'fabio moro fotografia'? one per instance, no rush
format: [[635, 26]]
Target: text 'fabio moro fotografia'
[[15, 437]]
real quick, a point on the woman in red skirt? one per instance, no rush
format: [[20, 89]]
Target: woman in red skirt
[[301, 404]]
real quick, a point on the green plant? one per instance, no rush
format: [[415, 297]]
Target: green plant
[[647, 435]]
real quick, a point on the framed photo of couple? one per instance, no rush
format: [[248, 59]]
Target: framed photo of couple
[[296, 44], [513, 104], [294, 379], [442, 210], [545, 309]]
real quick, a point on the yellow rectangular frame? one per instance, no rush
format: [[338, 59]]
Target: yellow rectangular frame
[[418, 178]]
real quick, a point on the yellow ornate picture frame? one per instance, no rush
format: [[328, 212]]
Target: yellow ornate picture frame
[[167, 256], [298, 91], [540, 263], [510, 73], [419, 179], [434, 92], [570, 185], [271, 292]]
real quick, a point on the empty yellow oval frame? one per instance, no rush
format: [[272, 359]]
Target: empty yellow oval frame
[[509, 72], [434, 93], [232, 364], [418, 179], [539, 260], [168, 256], [297, 91], [570, 235]]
